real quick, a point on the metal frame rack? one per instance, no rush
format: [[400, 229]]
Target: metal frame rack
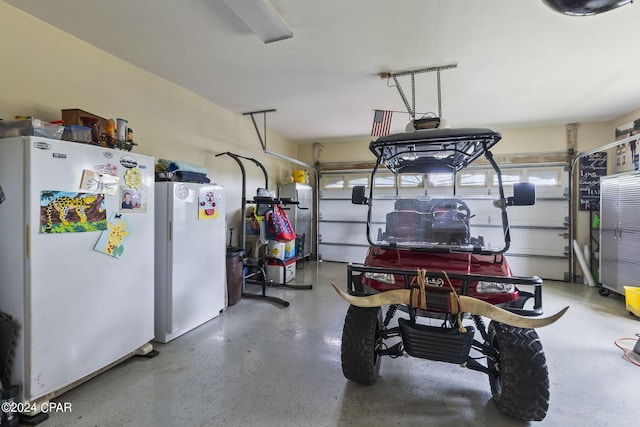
[[255, 267]]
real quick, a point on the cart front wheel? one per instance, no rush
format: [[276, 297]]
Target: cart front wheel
[[520, 379], [360, 342]]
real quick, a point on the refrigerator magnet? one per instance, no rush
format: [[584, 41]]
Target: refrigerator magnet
[[133, 178], [132, 201], [207, 208], [112, 241], [107, 169], [99, 183], [184, 193]]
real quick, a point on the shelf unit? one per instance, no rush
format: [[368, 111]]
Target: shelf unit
[[619, 231]]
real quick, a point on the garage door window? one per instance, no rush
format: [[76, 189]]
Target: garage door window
[[473, 179], [509, 177], [410, 180], [333, 182], [544, 177], [440, 180], [384, 181], [355, 180]]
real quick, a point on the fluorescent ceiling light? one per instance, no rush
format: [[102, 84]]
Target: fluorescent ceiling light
[[261, 18]]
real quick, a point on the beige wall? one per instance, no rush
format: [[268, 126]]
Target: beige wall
[[594, 135], [532, 140], [45, 70], [355, 149]]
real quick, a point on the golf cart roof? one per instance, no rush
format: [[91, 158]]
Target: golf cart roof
[[433, 150]]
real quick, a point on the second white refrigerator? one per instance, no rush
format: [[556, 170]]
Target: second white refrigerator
[[190, 257]]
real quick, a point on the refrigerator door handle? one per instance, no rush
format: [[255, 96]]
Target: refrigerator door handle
[[298, 205], [298, 200], [170, 231]]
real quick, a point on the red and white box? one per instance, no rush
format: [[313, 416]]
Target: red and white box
[[281, 272]]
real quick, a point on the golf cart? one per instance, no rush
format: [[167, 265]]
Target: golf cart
[[436, 259]]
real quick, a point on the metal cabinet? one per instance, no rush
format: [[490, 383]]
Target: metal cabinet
[[300, 215], [620, 231]]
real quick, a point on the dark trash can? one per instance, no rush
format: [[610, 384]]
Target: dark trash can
[[235, 272]]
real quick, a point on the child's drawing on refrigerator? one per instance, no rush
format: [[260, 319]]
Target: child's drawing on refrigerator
[[71, 212], [112, 241], [207, 208], [101, 183]]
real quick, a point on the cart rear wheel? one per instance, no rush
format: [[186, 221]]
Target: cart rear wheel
[[520, 383], [360, 340]]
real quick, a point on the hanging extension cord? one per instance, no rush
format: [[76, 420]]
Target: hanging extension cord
[[632, 356]]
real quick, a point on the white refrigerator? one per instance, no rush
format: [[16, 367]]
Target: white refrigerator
[[190, 257], [76, 259]]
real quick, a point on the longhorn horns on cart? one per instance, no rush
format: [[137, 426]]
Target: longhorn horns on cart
[[464, 304]]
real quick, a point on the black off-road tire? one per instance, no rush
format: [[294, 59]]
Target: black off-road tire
[[521, 388], [359, 344]]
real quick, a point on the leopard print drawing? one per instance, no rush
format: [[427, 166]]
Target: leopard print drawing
[[64, 204]]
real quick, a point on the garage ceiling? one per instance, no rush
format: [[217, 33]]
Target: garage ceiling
[[520, 64]]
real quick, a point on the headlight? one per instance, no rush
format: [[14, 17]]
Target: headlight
[[494, 288], [381, 277]]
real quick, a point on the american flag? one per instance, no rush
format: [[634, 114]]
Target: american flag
[[381, 123]]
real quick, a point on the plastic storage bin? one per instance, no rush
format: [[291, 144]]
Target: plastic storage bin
[[632, 299], [276, 249], [30, 127], [77, 134]]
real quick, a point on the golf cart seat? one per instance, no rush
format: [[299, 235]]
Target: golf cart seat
[[408, 225]]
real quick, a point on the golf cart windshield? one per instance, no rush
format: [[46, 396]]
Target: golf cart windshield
[[423, 196]]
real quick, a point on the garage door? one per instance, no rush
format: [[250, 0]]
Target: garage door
[[539, 233]]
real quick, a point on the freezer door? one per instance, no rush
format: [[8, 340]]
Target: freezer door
[[84, 309], [12, 235], [609, 225], [194, 288], [301, 215]]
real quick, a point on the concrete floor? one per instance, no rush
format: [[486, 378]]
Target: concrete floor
[[261, 365]]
